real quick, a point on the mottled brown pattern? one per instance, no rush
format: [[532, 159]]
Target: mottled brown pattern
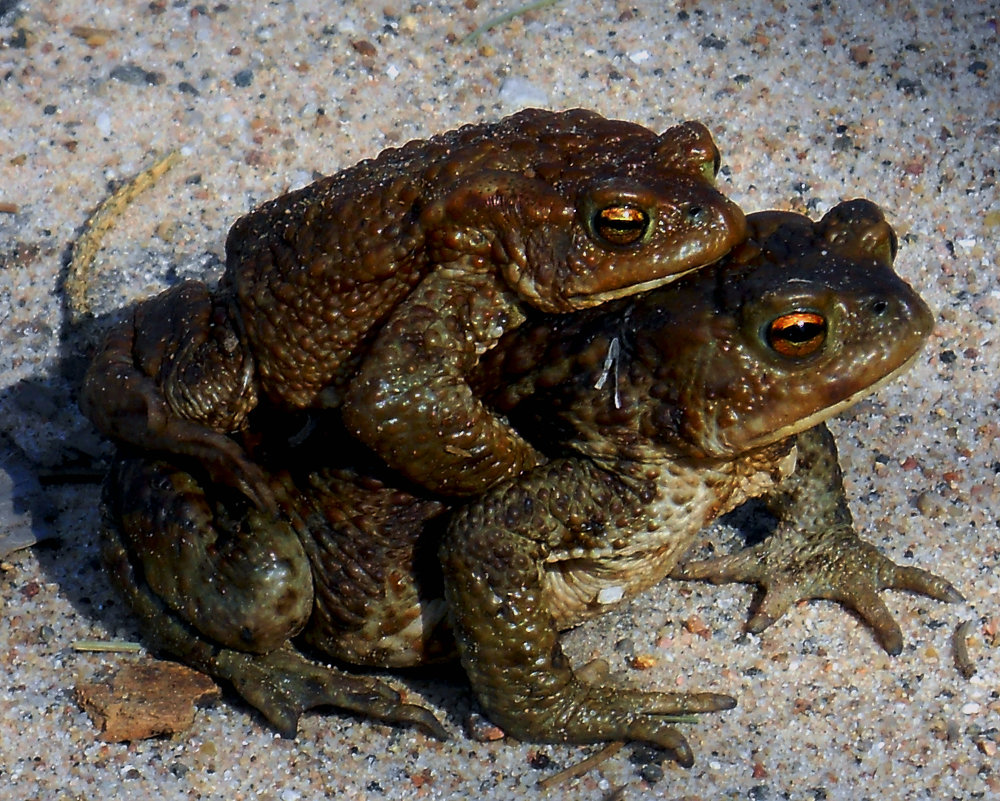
[[377, 289], [643, 448]]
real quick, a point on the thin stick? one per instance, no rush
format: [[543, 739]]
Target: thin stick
[[502, 18], [107, 646], [97, 225], [573, 771]]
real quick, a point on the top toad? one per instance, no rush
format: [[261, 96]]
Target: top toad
[[377, 289]]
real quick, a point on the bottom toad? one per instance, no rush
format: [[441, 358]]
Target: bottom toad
[[658, 414]]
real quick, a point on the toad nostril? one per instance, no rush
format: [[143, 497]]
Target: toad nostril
[[880, 307], [695, 213]]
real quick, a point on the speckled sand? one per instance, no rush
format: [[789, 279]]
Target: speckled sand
[[811, 104]]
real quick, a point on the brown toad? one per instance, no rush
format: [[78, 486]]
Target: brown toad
[[377, 289], [659, 413]]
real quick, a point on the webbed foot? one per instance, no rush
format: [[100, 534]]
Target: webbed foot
[[283, 684], [816, 553], [584, 713], [836, 566], [493, 557]]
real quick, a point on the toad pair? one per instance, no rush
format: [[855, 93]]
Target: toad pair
[[508, 426]]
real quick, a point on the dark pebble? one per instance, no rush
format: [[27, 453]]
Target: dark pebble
[[136, 75], [911, 87], [19, 40], [243, 78], [8, 10], [712, 41], [842, 143]]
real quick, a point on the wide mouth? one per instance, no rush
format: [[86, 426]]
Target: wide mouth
[[831, 410], [583, 300]]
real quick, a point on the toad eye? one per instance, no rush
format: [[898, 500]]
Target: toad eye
[[797, 334], [621, 224]]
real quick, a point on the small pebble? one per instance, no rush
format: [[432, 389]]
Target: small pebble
[[103, 123], [136, 75], [482, 730], [520, 93]]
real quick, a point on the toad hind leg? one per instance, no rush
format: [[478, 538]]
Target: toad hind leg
[[283, 684], [174, 378], [816, 553], [492, 558], [273, 677]]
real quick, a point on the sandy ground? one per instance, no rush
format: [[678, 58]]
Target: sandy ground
[[811, 103]]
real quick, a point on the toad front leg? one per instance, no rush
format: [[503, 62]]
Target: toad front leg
[[815, 552], [494, 557], [411, 401]]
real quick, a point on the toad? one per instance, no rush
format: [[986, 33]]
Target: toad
[[658, 413], [376, 290]]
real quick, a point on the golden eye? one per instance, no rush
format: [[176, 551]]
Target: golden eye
[[797, 334], [621, 225]]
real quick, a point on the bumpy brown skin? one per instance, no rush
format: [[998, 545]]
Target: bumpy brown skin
[[377, 289], [660, 413]]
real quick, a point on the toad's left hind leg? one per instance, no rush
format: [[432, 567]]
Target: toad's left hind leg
[[224, 589]]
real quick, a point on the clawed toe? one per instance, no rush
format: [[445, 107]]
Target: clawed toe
[[284, 684], [841, 567]]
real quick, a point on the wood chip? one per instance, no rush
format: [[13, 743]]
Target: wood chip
[[364, 48], [94, 37], [696, 626], [644, 661], [145, 700]]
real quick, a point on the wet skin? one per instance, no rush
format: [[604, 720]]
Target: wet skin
[[657, 414], [376, 290]]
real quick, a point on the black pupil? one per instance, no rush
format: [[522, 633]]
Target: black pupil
[[801, 331]]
